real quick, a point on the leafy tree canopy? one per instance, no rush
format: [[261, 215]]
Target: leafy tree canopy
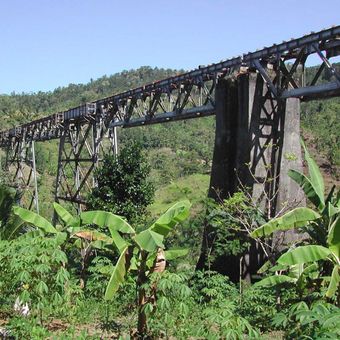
[[123, 185]]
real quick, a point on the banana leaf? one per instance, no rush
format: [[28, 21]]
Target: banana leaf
[[35, 219], [304, 254], [118, 275], [296, 218]]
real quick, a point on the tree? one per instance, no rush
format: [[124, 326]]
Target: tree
[[230, 223], [123, 185], [143, 253]]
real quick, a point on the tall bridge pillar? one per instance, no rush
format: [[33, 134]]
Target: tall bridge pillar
[[256, 143], [223, 179], [21, 165]]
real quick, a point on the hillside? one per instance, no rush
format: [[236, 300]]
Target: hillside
[[27, 106]]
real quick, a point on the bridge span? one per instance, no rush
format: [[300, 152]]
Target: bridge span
[[255, 98]]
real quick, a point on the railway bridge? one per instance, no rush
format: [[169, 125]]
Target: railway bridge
[[255, 98]]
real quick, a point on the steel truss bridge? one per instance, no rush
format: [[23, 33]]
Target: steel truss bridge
[[82, 131]]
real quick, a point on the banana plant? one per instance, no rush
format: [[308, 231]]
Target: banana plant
[[72, 229], [74, 226], [141, 252], [322, 224]]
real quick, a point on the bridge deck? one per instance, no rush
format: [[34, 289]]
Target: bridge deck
[[190, 94]]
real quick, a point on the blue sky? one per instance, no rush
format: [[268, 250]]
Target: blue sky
[[51, 43]]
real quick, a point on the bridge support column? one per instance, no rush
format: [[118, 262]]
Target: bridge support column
[[223, 180], [20, 160], [256, 143], [82, 147]]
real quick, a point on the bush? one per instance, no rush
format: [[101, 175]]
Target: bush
[[212, 287], [35, 271], [258, 306], [321, 320]]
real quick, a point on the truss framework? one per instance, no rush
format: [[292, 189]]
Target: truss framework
[[267, 123], [81, 149], [20, 163], [81, 130]]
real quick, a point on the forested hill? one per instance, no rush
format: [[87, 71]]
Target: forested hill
[[320, 119], [24, 107]]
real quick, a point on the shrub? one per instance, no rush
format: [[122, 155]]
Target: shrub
[[33, 268]]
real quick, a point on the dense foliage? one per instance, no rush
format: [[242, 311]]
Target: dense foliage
[[41, 276], [123, 186], [57, 276], [230, 223], [324, 127], [320, 119], [9, 224]]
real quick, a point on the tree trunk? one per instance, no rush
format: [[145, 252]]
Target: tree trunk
[[142, 279], [85, 255]]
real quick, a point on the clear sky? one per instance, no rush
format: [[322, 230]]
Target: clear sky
[[51, 43]]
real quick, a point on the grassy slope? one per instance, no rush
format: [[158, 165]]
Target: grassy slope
[[192, 187]]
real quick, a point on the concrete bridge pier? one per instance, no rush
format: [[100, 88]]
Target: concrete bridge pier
[[256, 143]]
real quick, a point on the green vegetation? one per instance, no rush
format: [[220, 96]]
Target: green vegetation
[[9, 224], [320, 122], [122, 184], [95, 276], [145, 254], [230, 223], [313, 265], [193, 187], [324, 128], [56, 272]]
